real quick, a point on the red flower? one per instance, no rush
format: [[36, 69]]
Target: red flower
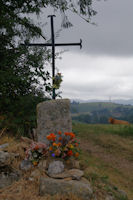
[[66, 133], [70, 153], [60, 138], [59, 132]]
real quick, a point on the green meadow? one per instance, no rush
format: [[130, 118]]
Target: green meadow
[[107, 156]]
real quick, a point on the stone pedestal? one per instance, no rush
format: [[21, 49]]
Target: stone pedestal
[[53, 116]]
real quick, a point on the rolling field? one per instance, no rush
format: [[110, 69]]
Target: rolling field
[[88, 107]]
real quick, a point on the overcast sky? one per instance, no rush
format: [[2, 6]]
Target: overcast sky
[[103, 68]]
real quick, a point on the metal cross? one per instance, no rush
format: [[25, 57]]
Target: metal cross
[[53, 44]]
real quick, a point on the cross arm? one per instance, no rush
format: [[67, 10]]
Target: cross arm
[[56, 44], [70, 44]]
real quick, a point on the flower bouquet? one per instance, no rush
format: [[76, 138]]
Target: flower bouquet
[[63, 145], [57, 80], [35, 152]]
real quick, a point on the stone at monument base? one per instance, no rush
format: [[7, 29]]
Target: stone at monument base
[[53, 116]]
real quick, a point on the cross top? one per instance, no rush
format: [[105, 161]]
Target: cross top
[[53, 44]]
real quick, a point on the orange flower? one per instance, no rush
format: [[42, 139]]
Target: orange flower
[[59, 144], [48, 137], [70, 153], [54, 144], [76, 154], [51, 136], [59, 132], [36, 147], [60, 138], [35, 163], [57, 152], [50, 148], [72, 135]]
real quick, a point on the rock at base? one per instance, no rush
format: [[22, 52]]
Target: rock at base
[[53, 186], [4, 158], [74, 174], [8, 176], [25, 165], [55, 167], [2, 146]]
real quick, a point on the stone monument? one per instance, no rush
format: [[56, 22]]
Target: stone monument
[[53, 116]]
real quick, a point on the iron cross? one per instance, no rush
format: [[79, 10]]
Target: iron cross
[[53, 44]]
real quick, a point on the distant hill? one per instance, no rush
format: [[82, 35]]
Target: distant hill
[[99, 112], [118, 101]]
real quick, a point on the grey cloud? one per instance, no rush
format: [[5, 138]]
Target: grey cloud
[[105, 69], [98, 91], [112, 36]]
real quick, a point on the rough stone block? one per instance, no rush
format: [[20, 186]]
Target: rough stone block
[[53, 116], [56, 186]]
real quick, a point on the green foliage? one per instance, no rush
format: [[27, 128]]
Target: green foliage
[[23, 77], [24, 81], [85, 118]]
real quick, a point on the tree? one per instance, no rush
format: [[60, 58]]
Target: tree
[[24, 80]]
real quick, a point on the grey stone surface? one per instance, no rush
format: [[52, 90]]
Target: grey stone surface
[[53, 116], [55, 167], [2, 146], [53, 186], [8, 176], [109, 198], [74, 174], [25, 165], [4, 158]]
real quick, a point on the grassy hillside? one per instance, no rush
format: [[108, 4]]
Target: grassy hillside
[[88, 107], [107, 156]]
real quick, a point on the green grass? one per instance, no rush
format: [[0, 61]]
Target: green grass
[[105, 149], [87, 129]]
